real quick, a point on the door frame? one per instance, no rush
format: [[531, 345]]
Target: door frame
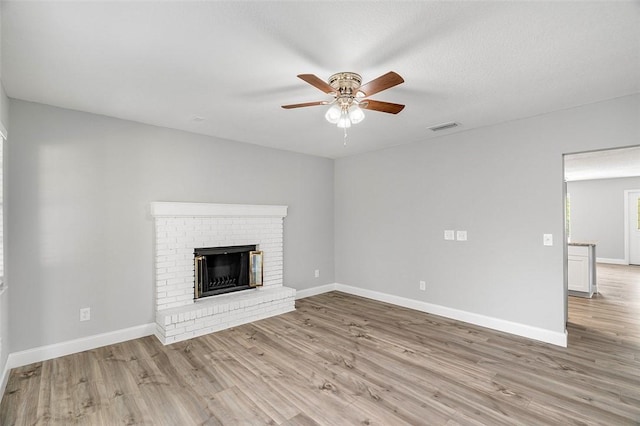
[[627, 231]]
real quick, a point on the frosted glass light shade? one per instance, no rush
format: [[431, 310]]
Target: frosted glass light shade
[[344, 122], [356, 114], [333, 114]]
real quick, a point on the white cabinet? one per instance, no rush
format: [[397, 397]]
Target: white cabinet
[[581, 270]]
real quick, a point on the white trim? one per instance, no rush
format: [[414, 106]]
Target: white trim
[[308, 292], [171, 209], [523, 330], [611, 261], [43, 353], [4, 378], [3, 131]]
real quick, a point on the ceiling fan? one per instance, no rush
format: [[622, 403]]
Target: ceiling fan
[[349, 93]]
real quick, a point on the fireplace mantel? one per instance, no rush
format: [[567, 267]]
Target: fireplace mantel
[[174, 209]]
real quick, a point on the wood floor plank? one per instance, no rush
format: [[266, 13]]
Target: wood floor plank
[[17, 402], [120, 389], [300, 420], [342, 359]]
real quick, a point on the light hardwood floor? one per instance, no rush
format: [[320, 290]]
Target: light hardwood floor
[[341, 359]]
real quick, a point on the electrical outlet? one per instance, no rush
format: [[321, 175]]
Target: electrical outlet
[[85, 314], [317, 273], [461, 235], [423, 285], [449, 234]]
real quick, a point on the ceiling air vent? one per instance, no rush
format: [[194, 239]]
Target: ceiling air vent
[[444, 126]]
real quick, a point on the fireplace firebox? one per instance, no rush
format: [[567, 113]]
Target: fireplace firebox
[[220, 270]]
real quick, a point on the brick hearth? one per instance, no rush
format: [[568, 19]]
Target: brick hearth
[[179, 229]]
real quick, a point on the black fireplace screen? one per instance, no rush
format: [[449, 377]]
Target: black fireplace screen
[[221, 270]]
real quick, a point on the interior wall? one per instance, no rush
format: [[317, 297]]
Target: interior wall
[[503, 184], [4, 107], [4, 297], [81, 232], [597, 214], [4, 291]]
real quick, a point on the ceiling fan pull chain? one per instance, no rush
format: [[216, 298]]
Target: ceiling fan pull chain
[[345, 136]]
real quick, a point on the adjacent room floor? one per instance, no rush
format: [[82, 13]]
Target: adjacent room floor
[[342, 359]]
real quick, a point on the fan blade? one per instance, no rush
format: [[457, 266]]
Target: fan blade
[[381, 106], [306, 104], [381, 83], [316, 82]]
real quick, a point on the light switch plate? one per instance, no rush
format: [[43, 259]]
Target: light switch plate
[[461, 235], [547, 239], [449, 235]]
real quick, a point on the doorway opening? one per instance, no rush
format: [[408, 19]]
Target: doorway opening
[[602, 202]]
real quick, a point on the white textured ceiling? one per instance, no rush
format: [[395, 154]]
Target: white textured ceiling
[[613, 163], [234, 63]]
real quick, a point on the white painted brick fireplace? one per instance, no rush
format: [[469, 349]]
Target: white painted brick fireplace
[[182, 227]]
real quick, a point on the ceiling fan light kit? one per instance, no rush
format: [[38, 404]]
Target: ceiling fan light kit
[[356, 114], [333, 114], [348, 93]]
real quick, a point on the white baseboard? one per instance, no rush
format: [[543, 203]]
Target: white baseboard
[[308, 292], [4, 378], [611, 261], [43, 353], [523, 330]]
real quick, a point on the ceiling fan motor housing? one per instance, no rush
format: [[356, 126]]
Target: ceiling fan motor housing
[[346, 83]]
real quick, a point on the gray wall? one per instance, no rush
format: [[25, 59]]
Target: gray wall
[[597, 213], [81, 234], [4, 299], [4, 107], [79, 187], [4, 101], [503, 184]]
